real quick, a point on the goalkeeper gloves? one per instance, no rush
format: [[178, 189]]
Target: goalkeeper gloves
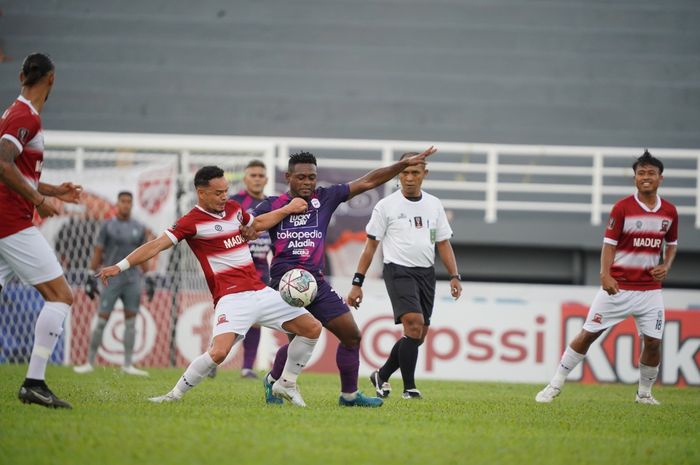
[[150, 284], [91, 289]]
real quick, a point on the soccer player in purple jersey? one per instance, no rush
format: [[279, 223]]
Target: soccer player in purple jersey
[[254, 180], [299, 242]]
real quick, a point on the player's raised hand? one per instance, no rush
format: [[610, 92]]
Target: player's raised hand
[[420, 158], [46, 208], [69, 192], [609, 284], [354, 298], [297, 205], [107, 272]]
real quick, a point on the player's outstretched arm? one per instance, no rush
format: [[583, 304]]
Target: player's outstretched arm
[[147, 251], [379, 176], [270, 219], [447, 255], [12, 178], [68, 192], [354, 298]]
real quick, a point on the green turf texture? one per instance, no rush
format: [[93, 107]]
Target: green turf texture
[[225, 421]]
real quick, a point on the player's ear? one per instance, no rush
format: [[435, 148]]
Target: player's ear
[[425, 174], [287, 175]]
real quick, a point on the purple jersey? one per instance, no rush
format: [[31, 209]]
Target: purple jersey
[[298, 241], [260, 247]]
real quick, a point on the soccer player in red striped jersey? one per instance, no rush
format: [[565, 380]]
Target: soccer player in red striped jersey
[[632, 269], [24, 252], [212, 229]]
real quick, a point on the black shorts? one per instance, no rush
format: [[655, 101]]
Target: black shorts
[[411, 290]]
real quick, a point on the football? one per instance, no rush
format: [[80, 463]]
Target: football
[[298, 287]]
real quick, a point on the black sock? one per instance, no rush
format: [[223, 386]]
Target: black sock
[[29, 382], [408, 357], [392, 363]]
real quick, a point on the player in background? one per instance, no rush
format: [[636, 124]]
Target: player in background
[[254, 180], [117, 237], [23, 250], [631, 272], [298, 241], [241, 299], [410, 223]]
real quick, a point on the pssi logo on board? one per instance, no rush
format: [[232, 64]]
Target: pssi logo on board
[[614, 357]]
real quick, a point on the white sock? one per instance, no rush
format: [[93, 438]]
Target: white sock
[[349, 396], [48, 329], [647, 377], [298, 354], [569, 360], [194, 374]]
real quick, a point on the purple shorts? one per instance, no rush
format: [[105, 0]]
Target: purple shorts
[[328, 304]]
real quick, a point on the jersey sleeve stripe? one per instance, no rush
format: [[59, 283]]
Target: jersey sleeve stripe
[[172, 237], [607, 240], [14, 140]]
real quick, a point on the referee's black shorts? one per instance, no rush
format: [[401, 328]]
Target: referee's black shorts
[[411, 290]]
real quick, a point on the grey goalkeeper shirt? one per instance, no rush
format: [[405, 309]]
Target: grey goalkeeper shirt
[[118, 239]]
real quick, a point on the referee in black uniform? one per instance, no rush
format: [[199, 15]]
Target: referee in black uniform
[[410, 224]]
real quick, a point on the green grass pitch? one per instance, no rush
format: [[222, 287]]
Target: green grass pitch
[[225, 421]]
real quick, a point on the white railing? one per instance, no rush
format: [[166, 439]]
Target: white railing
[[588, 174]]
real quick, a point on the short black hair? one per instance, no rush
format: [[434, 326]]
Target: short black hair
[[255, 164], [206, 174], [125, 193], [300, 157], [648, 159], [35, 67]]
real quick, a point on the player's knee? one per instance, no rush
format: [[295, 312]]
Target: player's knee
[[218, 355], [313, 330], [352, 340], [652, 345]]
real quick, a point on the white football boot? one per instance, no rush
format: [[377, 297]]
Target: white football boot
[[646, 399], [547, 394], [291, 393], [84, 369], [132, 370], [169, 397]]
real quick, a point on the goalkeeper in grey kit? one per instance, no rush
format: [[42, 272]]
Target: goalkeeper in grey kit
[[116, 239]]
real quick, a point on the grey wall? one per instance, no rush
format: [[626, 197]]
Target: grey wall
[[581, 72], [555, 72]]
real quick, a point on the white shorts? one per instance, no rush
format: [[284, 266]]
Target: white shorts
[[647, 308], [236, 313], [27, 254]]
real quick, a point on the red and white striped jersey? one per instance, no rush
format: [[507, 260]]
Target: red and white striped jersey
[[221, 250], [21, 125], [638, 234]]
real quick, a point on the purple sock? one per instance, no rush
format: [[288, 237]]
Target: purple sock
[[250, 347], [280, 360], [348, 361]]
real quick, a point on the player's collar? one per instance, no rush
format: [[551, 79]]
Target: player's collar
[[27, 102], [218, 216], [643, 205]]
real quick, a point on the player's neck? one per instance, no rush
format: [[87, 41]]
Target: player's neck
[[123, 217], [649, 199], [412, 196], [35, 96]]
